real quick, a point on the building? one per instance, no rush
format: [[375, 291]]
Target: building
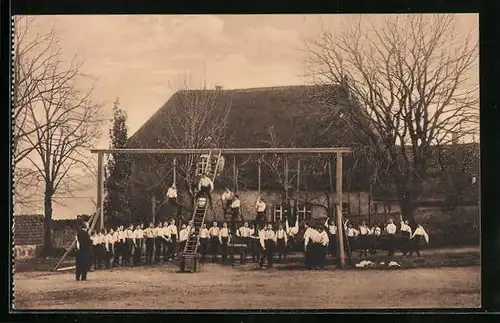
[[256, 118], [28, 235]]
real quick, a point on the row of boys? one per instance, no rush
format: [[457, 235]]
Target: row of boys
[[126, 246]]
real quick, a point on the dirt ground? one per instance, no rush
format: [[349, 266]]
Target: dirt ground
[[218, 286]]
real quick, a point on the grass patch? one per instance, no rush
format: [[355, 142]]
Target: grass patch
[[296, 261], [41, 264]]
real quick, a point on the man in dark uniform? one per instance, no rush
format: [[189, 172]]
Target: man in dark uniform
[[83, 252]]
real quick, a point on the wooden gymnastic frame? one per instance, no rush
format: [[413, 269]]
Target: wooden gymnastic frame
[[338, 151]]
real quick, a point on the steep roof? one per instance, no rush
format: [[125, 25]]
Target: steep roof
[[288, 110], [28, 229]]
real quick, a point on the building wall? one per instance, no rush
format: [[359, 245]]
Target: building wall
[[358, 203], [24, 252]]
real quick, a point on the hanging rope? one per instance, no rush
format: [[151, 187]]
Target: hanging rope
[[286, 179], [174, 182], [259, 176], [298, 181]]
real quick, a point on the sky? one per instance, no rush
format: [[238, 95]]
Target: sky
[[141, 58]]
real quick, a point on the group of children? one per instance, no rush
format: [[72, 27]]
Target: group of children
[[388, 237], [319, 240], [127, 245], [137, 245]]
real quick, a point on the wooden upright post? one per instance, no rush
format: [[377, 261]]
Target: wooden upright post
[[340, 222], [235, 175], [153, 208], [286, 180], [259, 174], [330, 178], [100, 187], [298, 183]]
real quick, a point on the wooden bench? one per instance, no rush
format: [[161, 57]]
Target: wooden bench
[[242, 251]]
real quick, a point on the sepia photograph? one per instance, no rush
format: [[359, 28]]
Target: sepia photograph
[[246, 162]]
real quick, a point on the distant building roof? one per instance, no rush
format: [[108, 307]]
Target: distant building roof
[[288, 110], [28, 229]]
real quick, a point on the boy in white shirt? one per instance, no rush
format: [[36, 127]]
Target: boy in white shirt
[[332, 236], [172, 247], [224, 240], [102, 248], [308, 245], [172, 197], [405, 236], [227, 199], [416, 239], [323, 242], [129, 245], [137, 237], [260, 207], [267, 239], [149, 234], [183, 237], [363, 239], [109, 239], [235, 211], [244, 233], [166, 240], [291, 233], [204, 237], [213, 233], [95, 242], [158, 241], [281, 242], [390, 229], [205, 188], [116, 247]]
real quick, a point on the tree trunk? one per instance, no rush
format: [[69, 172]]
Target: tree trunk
[[47, 227]]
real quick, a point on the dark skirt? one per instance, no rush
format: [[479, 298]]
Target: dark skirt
[[309, 254], [363, 242]]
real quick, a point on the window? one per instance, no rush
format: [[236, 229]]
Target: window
[[346, 208]]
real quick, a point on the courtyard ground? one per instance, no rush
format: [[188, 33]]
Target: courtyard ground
[[287, 286]]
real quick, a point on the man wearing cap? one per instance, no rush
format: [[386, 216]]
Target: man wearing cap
[[83, 252]]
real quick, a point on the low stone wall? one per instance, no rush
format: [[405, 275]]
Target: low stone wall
[[25, 252]]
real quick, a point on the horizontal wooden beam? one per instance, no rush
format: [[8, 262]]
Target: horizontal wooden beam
[[227, 151]]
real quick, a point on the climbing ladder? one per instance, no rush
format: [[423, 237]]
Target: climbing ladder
[[208, 164]]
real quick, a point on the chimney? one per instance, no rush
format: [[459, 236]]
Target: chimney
[[218, 87]]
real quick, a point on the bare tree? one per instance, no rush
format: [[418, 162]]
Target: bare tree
[[58, 123], [407, 88], [32, 57], [193, 119]]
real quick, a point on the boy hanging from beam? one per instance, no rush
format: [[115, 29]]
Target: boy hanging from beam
[[205, 188], [227, 199], [172, 197], [291, 232], [235, 212]]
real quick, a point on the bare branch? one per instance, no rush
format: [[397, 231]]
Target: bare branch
[[408, 84]]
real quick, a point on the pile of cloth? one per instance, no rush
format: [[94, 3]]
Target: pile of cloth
[[365, 264]]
